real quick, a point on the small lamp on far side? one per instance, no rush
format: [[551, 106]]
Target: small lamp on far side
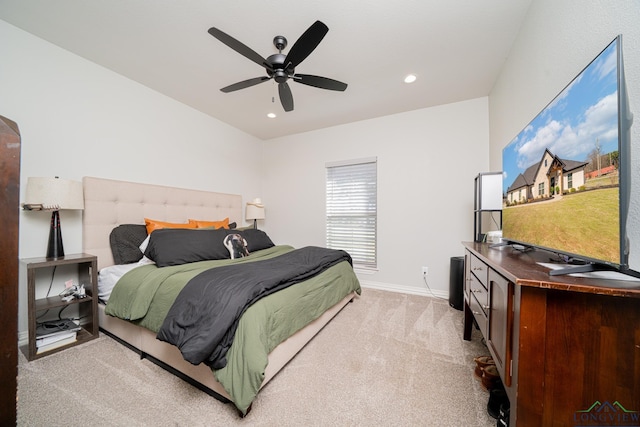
[[53, 194], [254, 211]]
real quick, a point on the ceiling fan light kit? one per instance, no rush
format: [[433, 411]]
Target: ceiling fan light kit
[[281, 67]]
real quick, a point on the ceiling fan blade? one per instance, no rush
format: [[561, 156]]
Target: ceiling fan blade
[[244, 84], [321, 82], [307, 42], [286, 98], [239, 47]]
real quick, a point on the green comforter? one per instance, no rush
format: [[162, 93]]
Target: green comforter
[[145, 294]]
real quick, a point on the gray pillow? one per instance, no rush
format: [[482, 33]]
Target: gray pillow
[[256, 239], [125, 242], [176, 246]]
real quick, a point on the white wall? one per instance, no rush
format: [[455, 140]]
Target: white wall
[[558, 39], [78, 119], [427, 161]]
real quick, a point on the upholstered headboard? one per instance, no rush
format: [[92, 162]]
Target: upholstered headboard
[[109, 203]]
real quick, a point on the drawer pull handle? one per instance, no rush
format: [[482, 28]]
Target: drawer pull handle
[[477, 313], [486, 307]]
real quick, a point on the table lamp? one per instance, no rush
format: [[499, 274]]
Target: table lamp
[[53, 194], [254, 211]]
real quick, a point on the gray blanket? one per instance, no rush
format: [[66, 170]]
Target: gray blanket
[[203, 319]]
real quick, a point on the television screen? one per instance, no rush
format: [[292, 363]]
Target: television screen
[[565, 182]]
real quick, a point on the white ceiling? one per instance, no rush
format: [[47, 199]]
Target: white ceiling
[[455, 47]]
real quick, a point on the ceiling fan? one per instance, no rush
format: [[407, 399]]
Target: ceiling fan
[[281, 67]]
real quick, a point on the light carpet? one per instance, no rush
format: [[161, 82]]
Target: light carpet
[[386, 359]]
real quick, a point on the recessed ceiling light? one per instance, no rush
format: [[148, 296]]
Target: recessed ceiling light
[[410, 78], [271, 115]]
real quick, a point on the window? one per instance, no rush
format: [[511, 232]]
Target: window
[[352, 209], [570, 180], [541, 189]]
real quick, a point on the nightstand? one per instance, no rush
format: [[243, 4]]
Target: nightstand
[[87, 308]]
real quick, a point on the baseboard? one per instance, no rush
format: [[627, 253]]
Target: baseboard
[[404, 289], [23, 338]]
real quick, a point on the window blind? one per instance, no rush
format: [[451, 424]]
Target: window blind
[[351, 209]]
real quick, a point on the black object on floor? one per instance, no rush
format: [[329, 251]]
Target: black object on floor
[[456, 282], [503, 417], [497, 399]]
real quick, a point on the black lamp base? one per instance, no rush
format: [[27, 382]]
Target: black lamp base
[[55, 248]]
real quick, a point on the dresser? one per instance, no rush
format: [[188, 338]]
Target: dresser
[[10, 146], [567, 348]]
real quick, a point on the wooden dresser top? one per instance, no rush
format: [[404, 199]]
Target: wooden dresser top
[[523, 268]]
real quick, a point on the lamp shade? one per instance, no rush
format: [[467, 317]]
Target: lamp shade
[[54, 193], [254, 212]]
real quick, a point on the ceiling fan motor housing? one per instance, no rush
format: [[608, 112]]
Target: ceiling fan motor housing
[[279, 73]]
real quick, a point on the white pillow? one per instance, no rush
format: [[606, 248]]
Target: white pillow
[[144, 244]]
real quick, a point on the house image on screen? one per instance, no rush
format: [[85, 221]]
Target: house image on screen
[[552, 175]]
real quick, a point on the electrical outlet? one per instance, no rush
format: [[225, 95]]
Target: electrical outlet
[[425, 271]]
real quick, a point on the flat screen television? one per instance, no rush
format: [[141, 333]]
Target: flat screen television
[[566, 175]]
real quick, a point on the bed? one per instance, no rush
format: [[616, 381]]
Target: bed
[[110, 204]]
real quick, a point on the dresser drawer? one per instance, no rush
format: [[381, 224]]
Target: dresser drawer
[[479, 269], [478, 314], [479, 291]]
